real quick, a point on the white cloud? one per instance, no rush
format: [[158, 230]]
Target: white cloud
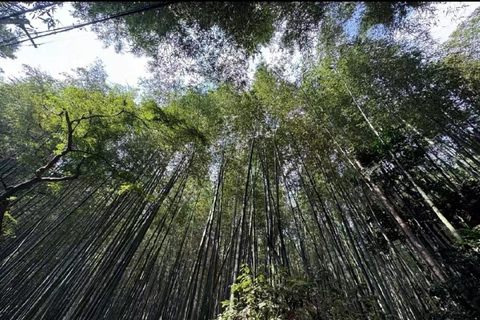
[[77, 48], [449, 16]]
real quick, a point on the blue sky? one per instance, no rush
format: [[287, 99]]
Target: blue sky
[[78, 48]]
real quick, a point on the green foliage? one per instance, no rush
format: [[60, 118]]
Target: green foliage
[[137, 188], [6, 34], [369, 102], [200, 34], [389, 14], [34, 113], [464, 68], [458, 297], [257, 298], [377, 151], [251, 26], [471, 237], [465, 38], [291, 297], [55, 187], [8, 226]]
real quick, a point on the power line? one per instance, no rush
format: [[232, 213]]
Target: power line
[[58, 40], [24, 36], [119, 15]]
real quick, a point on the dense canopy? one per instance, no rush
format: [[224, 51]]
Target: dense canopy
[[346, 190]]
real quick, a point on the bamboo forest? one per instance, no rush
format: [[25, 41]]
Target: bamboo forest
[[337, 178]]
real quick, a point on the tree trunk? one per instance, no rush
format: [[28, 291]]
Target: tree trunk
[[420, 190], [426, 256]]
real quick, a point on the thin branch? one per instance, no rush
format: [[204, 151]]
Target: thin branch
[[28, 35], [51, 112], [77, 121], [40, 171], [21, 186], [137, 117], [96, 116], [72, 177], [24, 11], [70, 133], [95, 155], [18, 21]]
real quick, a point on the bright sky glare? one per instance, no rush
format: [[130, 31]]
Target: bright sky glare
[[449, 15], [73, 49], [78, 48]]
